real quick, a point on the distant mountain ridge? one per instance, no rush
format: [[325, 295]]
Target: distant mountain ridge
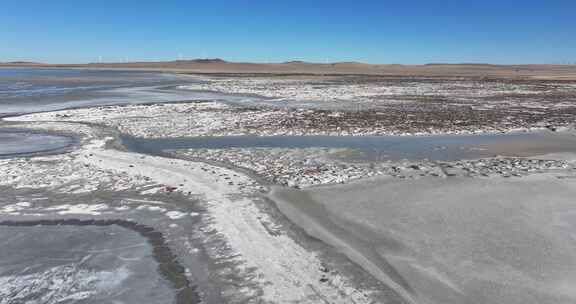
[[204, 60], [20, 62], [220, 66]]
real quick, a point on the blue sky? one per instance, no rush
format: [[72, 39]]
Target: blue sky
[[400, 31]]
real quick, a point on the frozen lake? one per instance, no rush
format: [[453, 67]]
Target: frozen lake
[[79, 264], [454, 240], [21, 143], [380, 148], [28, 90]]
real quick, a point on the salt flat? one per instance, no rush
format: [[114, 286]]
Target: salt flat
[[452, 240]]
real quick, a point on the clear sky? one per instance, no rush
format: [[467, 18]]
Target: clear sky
[[399, 31]]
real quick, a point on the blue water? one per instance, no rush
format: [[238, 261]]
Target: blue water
[[377, 148]]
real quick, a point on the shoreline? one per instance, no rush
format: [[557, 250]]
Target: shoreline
[[312, 217]]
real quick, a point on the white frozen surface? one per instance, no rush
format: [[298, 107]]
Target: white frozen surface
[[175, 215], [26, 142], [162, 120], [462, 240], [78, 264], [61, 284]]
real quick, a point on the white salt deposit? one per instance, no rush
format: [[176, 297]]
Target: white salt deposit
[[175, 215]]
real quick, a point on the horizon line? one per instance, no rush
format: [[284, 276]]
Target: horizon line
[[295, 61]]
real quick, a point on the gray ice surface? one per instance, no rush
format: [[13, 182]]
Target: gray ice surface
[[29, 90], [380, 148], [452, 241], [78, 264], [22, 142]]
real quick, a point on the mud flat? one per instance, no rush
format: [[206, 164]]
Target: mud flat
[[320, 166], [451, 240], [344, 105], [223, 119], [353, 90], [410, 105]]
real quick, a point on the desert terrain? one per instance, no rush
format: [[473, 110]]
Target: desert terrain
[[219, 66]]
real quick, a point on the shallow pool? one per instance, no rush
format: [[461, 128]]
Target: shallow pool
[[21, 143], [379, 148]]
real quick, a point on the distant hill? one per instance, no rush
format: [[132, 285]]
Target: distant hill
[[21, 62], [296, 62], [206, 60], [220, 66], [464, 64], [349, 63]]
